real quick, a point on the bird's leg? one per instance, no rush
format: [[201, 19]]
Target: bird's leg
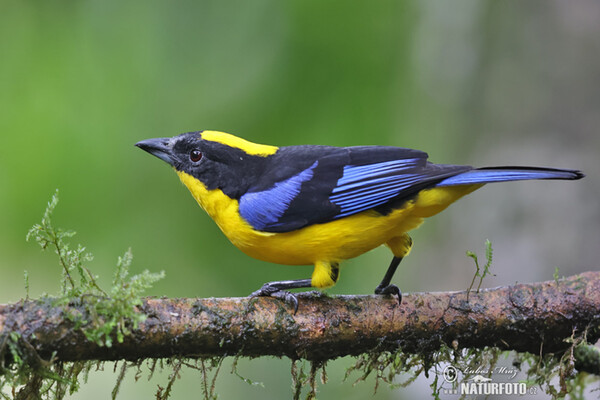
[[385, 287], [325, 274], [400, 246], [280, 289]]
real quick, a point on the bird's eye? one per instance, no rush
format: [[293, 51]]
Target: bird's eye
[[195, 155]]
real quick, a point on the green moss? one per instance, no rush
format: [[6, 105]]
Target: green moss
[[481, 272], [541, 370], [587, 358], [304, 376], [106, 316]]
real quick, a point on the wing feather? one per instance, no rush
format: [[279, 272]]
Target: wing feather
[[307, 185]]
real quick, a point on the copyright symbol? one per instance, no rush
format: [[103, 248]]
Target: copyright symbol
[[450, 374]]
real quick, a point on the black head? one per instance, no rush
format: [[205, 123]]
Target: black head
[[183, 152], [218, 160]]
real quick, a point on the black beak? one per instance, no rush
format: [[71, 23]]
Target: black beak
[[160, 147]]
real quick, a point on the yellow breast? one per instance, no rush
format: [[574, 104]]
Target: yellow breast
[[332, 241]]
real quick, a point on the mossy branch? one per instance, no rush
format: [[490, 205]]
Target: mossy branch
[[46, 344], [538, 318]]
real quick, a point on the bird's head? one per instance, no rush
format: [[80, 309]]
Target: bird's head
[[216, 159]]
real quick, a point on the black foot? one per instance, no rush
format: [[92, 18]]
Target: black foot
[[389, 289], [270, 290]]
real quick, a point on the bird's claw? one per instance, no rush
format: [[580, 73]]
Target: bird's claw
[[287, 297], [389, 289], [270, 291], [266, 290]]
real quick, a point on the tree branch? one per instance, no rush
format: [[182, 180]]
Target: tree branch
[[536, 318]]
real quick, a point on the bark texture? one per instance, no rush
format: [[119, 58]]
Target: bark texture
[[524, 317]]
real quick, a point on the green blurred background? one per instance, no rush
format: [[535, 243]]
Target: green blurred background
[[471, 82]]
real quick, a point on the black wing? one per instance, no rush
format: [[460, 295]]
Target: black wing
[[305, 185]]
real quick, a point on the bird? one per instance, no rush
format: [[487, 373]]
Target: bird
[[320, 205]]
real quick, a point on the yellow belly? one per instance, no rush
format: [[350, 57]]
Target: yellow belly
[[333, 241]]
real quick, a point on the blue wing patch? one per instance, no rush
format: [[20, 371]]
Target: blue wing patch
[[263, 209], [366, 186]]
